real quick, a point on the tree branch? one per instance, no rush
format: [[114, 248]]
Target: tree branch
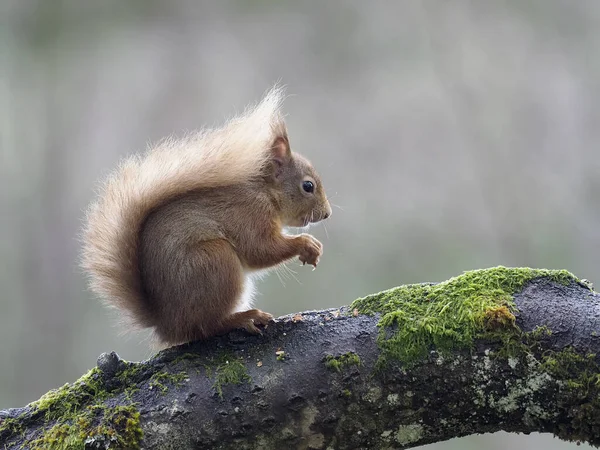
[[497, 349]]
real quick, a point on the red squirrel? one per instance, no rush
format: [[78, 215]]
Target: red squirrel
[[175, 236]]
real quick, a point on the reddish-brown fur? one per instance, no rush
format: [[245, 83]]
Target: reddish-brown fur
[[175, 248]]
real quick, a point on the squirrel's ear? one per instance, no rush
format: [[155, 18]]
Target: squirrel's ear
[[280, 150]]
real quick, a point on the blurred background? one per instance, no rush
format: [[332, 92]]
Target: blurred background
[[451, 135]]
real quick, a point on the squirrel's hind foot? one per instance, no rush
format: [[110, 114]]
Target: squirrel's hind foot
[[248, 320]]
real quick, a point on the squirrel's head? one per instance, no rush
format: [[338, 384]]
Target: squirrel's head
[[297, 187]]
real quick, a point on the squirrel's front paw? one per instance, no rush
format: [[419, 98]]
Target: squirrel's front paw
[[311, 250]]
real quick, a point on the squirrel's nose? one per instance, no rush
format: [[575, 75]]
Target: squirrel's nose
[[327, 212]]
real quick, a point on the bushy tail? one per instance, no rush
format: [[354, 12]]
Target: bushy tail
[[211, 158]]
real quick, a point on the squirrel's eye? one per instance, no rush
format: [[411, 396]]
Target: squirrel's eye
[[308, 186]]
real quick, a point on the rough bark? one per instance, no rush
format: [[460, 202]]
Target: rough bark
[[313, 381]]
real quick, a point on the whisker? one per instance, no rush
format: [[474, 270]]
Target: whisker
[[277, 272], [291, 273], [326, 232]]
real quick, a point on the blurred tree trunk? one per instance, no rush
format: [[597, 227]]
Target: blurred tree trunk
[[316, 380]]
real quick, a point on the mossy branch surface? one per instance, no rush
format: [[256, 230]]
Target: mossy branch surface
[[496, 349], [449, 315]]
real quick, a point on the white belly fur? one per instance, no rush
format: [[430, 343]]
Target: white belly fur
[[247, 297]]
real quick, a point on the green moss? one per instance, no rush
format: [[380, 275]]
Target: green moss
[[564, 364], [11, 427], [127, 418], [449, 315], [227, 369], [577, 415], [158, 380], [131, 373], [186, 357], [76, 415], [515, 343], [130, 376], [70, 397], [579, 396], [577, 375], [337, 363], [119, 427]]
